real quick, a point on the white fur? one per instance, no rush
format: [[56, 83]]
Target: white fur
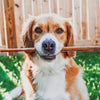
[[50, 78], [76, 98], [83, 89], [51, 86], [38, 45]]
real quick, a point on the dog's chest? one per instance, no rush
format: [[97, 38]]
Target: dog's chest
[[51, 87]]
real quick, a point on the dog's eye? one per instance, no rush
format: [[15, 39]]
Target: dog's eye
[[38, 30], [59, 30]]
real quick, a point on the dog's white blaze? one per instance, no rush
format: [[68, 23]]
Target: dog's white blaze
[[38, 45]]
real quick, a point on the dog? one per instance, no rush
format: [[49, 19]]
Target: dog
[[48, 73]]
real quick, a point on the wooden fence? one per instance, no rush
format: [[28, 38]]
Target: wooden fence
[[85, 15]]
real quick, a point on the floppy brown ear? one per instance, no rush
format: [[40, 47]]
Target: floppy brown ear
[[27, 34], [69, 40]]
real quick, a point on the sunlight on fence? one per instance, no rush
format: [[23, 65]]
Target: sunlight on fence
[[84, 14]]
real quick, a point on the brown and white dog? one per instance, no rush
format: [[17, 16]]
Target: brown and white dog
[[49, 74]]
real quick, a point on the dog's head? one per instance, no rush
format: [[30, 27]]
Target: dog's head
[[48, 34]]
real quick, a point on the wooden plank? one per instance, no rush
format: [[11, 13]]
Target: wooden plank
[[16, 49], [84, 19], [98, 35], [37, 7], [53, 6], [91, 18], [0, 21], [62, 7], [92, 42], [23, 10], [2, 32], [3, 53], [45, 6], [65, 8], [18, 20], [27, 8], [69, 8], [10, 24], [81, 48], [97, 18], [70, 48], [76, 19]]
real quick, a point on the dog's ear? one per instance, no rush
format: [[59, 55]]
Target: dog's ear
[[69, 40], [27, 33]]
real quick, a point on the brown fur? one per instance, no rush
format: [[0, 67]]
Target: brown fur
[[27, 38], [50, 24], [69, 40], [71, 74], [28, 72], [27, 78], [30, 37]]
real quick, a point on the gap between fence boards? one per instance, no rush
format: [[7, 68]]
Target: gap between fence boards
[[72, 48]]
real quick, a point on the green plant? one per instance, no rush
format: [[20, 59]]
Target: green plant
[[10, 68], [90, 62]]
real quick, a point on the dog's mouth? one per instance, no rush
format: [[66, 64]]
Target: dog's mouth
[[48, 57]]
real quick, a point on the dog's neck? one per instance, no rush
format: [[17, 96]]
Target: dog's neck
[[50, 67]]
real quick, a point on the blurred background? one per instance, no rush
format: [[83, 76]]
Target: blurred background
[[84, 15]]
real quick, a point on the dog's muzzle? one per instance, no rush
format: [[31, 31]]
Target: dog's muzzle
[[48, 48]]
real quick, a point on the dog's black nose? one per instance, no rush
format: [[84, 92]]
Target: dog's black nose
[[48, 46]]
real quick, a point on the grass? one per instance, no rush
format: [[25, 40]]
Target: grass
[[10, 68], [90, 61]]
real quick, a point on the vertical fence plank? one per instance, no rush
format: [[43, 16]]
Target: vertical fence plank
[[69, 8], [23, 10], [53, 6], [27, 8], [18, 20], [2, 32], [37, 7], [84, 19], [98, 36], [10, 24], [76, 19], [91, 18], [97, 18], [65, 8], [0, 21], [62, 7], [45, 6]]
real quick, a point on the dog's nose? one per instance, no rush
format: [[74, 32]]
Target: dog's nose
[[48, 46]]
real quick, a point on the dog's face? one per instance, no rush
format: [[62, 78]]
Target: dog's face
[[48, 34]]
